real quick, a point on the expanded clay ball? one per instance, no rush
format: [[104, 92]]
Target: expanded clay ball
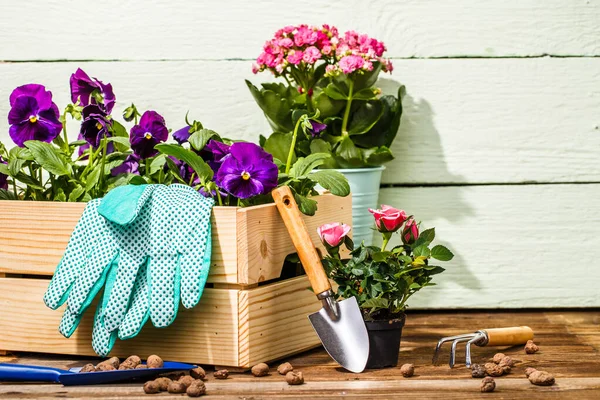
[[261, 369], [294, 378], [498, 357], [221, 374], [154, 361], [88, 368], [141, 366], [529, 371], [407, 370], [176, 387], [186, 380], [163, 383], [477, 371], [488, 384], [198, 373], [151, 387], [493, 369], [284, 368], [105, 367], [541, 378], [114, 361], [130, 363], [196, 389], [531, 348]]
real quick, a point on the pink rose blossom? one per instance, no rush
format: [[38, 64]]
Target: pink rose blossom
[[311, 55], [333, 234], [294, 57], [349, 64], [388, 219]]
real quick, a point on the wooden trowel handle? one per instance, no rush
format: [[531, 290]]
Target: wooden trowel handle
[[509, 336], [286, 204]]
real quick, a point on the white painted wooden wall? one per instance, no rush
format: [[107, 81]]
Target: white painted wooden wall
[[500, 142]]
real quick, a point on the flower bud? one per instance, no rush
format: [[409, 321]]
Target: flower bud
[[410, 233], [388, 219], [333, 234], [130, 113]]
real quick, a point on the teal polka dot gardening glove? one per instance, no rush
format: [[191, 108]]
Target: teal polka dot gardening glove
[[148, 247]]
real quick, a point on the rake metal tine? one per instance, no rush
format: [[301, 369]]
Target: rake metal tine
[[448, 339], [453, 351], [468, 357]]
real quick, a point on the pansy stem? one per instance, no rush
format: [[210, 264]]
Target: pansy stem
[[219, 197], [102, 163], [288, 164], [348, 105], [14, 182]]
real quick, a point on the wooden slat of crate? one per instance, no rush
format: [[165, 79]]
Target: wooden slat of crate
[[249, 244], [229, 327]]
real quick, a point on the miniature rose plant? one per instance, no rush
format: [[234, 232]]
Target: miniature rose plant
[[332, 75], [382, 279], [46, 165]]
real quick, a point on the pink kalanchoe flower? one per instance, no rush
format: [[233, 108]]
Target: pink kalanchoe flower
[[295, 57], [311, 55], [285, 43], [349, 64], [333, 234], [306, 35], [388, 219], [410, 233]]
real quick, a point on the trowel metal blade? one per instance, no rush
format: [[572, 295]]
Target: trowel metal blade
[[345, 339]]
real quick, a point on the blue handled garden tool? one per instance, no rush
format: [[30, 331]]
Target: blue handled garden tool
[[70, 377]]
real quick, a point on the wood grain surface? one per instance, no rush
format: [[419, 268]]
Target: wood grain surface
[[569, 344], [180, 29]]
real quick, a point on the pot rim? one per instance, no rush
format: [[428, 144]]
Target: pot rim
[[359, 170]]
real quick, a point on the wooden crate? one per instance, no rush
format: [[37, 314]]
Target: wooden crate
[[237, 323]]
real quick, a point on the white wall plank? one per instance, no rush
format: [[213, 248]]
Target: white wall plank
[[466, 120], [516, 246], [185, 29]]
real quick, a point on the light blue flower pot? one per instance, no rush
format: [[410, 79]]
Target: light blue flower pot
[[364, 185]]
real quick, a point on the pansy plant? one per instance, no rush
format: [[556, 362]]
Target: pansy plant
[[45, 165]]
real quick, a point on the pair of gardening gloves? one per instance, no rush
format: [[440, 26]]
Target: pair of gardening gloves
[[147, 247]]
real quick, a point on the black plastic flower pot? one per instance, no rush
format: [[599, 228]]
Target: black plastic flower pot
[[384, 342]]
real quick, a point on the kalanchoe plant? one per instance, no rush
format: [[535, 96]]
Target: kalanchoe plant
[[334, 75], [382, 279], [46, 166]]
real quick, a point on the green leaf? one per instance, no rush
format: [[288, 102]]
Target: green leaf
[[365, 117], [120, 131], [357, 272], [307, 206], [331, 180], [78, 143], [14, 166], [425, 237], [376, 303], [381, 256], [384, 131], [441, 253], [7, 195], [4, 169], [204, 172], [157, 164], [29, 181], [278, 144], [414, 285], [333, 91], [368, 78], [120, 140], [327, 106], [199, 139], [277, 109], [422, 250], [134, 179], [348, 155], [434, 270], [378, 156], [320, 146], [91, 180], [305, 165], [76, 193], [60, 195], [22, 153], [365, 94], [49, 157]]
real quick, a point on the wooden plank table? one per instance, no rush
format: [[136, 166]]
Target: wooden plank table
[[569, 349]]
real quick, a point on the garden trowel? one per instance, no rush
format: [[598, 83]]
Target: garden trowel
[[339, 324]]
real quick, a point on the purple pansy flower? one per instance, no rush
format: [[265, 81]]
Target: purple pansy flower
[[95, 125], [249, 171], [85, 88], [182, 135], [219, 151], [129, 166], [3, 177], [33, 115], [317, 128], [148, 133]]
